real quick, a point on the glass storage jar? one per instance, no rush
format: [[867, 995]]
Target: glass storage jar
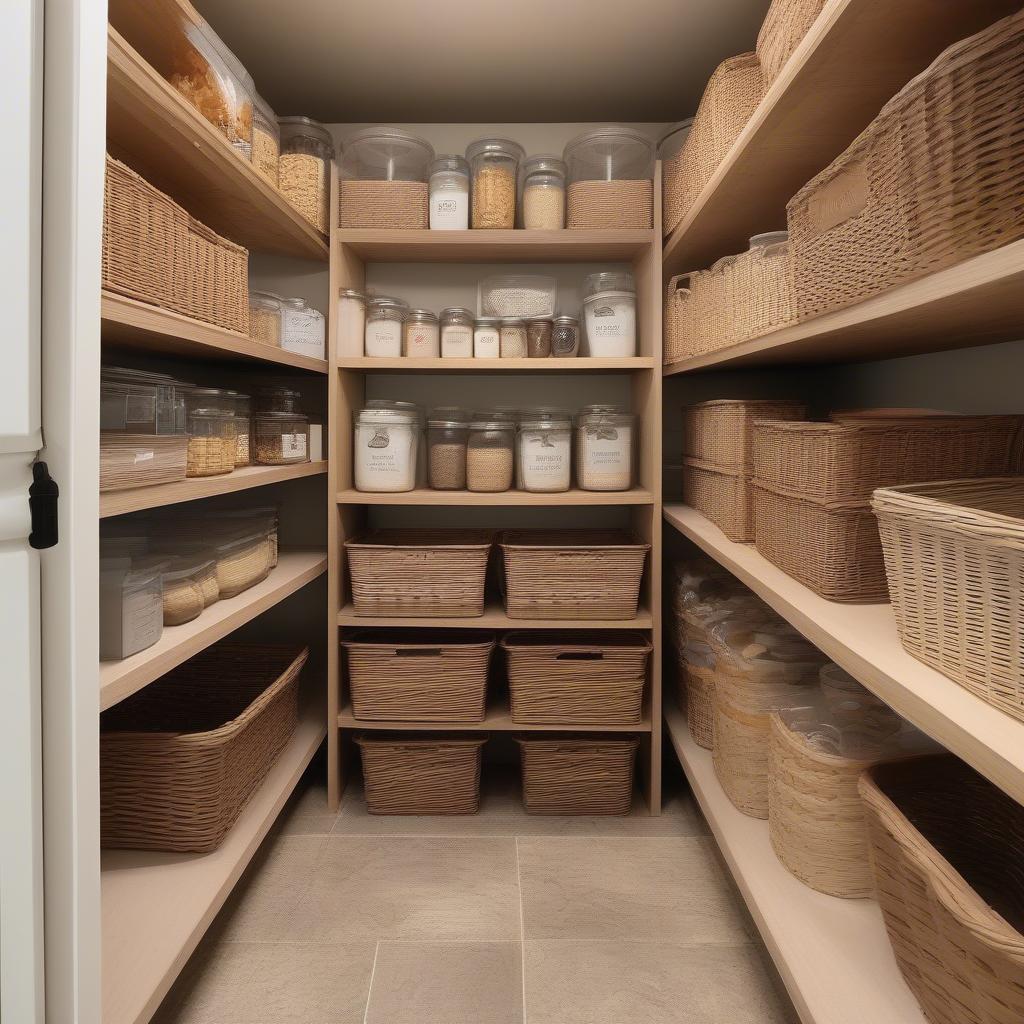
[[446, 453], [604, 449], [494, 165], [212, 442], [487, 337], [281, 438], [609, 310], [278, 399], [565, 337], [384, 318], [304, 168], [538, 338], [303, 329], [420, 335], [611, 171], [542, 201], [456, 333], [351, 322], [386, 448], [489, 458], [449, 193], [243, 429], [544, 455], [513, 338], [265, 317], [266, 139]]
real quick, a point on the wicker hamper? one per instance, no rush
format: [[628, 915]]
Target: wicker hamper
[[697, 700], [578, 774], [418, 675], [388, 205], [721, 432], [783, 29], [946, 853], [180, 758], [935, 179], [723, 496]]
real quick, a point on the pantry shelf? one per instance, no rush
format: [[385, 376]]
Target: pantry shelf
[[460, 499], [130, 324], [498, 719], [118, 503], [494, 617], [833, 954], [153, 129], [977, 302], [862, 639], [156, 906], [856, 55], [582, 364], [120, 679]]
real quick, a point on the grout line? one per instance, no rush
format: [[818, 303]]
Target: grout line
[[369, 990], [522, 929]]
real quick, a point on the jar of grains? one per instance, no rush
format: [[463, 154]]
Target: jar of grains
[[277, 399], [565, 336], [265, 317], [351, 322], [545, 455], [489, 461], [383, 336], [303, 329], [542, 204], [604, 449], [266, 139], [243, 429], [494, 164], [212, 442], [513, 338], [386, 448], [420, 337], [538, 338], [449, 193], [446, 453], [456, 333], [487, 337], [281, 438], [304, 171]]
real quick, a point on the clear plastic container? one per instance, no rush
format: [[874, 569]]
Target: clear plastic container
[[386, 448], [446, 453], [513, 338], [266, 140], [610, 319], [265, 317], [565, 337], [489, 455], [538, 338], [456, 333], [542, 200], [449, 194], [212, 442], [384, 319], [304, 173], [608, 281], [605, 440], [611, 172], [303, 329], [138, 402], [130, 608], [522, 295], [487, 337], [242, 561], [494, 166], [278, 399], [544, 455], [243, 429], [421, 335], [282, 438], [351, 322], [218, 399]]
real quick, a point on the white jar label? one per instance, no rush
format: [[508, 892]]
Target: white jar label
[[384, 458], [486, 345], [457, 342], [383, 338], [449, 210], [605, 459], [611, 328], [293, 446], [545, 462], [303, 331]]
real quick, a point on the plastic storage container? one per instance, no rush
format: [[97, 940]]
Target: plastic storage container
[[449, 194], [265, 317], [611, 173], [307, 150], [266, 139], [182, 589], [386, 449], [494, 165], [303, 329], [605, 440], [138, 402], [456, 333], [130, 608], [565, 337], [523, 295], [487, 337], [282, 438], [446, 452], [383, 335], [421, 335], [545, 455], [542, 201], [212, 442]]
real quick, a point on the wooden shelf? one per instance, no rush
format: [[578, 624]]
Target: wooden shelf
[[833, 954], [159, 134], [120, 679], [129, 323], [582, 364], [862, 639], [856, 56], [494, 617], [565, 246], [506, 499], [156, 906], [977, 302], [117, 503]]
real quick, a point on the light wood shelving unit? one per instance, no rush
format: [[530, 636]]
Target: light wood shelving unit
[[498, 719], [581, 364], [494, 617], [501, 499]]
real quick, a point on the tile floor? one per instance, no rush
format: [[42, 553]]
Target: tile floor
[[499, 918]]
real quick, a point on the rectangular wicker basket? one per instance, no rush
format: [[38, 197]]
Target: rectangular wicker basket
[[720, 433], [572, 574], [383, 205], [141, 460], [418, 675], [782, 31], [620, 205], [180, 758], [935, 179], [430, 573], [421, 775], [725, 497], [946, 852], [578, 775], [576, 678]]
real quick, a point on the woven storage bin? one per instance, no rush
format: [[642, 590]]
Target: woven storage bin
[[180, 758], [782, 31], [697, 700], [732, 94], [954, 555], [572, 574], [408, 775], [697, 315], [760, 292], [723, 497], [935, 179], [413, 675], [721, 432], [141, 460], [618, 204], [576, 678], [430, 573], [679, 323], [389, 205], [578, 774], [946, 852], [216, 282]]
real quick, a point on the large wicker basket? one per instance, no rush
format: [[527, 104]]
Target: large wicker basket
[[697, 700], [622, 205], [389, 205], [720, 433], [946, 852], [723, 496], [418, 675], [783, 29], [935, 179], [967, 623], [578, 774], [576, 678], [180, 758]]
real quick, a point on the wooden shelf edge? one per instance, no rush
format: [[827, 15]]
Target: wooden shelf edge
[[580, 364], [501, 499], [498, 719], [494, 617]]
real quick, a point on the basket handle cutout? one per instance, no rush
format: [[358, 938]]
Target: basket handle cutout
[[420, 652], [580, 656]]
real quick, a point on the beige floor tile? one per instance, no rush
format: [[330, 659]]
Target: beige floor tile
[[368, 887], [447, 983], [306, 813], [648, 983], [272, 983], [668, 890]]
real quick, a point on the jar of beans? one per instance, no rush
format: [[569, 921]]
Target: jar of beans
[[446, 453], [542, 204], [513, 338], [538, 338], [281, 438], [494, 166], [489, 455], [565, 337]]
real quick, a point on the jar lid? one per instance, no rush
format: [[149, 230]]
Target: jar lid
[[512, 321], [211, 392], [596, 419], [538, 320], [295, 302], [488, 321], [279, 390], [602, 407], [281, 416], [264, 300], [299, 125], [376, 414], [450, 162], [605, 296], [459, 314], [492, 425], [544, 163], [387, 154], [496, 147], [546, 424], [384, 302], [613, 133], [351, 293], [566, 320], [210, 414], [447, 424], [608, 281], [767, 238], [421, 316], [450, 412]]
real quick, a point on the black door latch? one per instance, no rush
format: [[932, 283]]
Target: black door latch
[[42, 503]]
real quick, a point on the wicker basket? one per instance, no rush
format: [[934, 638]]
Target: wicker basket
[[724, 497], [578, 774], [407, 775], [720, 433], [783, 29], [733, 92], [428, 573], [389, 205], [572, 574], [576, 678], [180, 758], [935, 179], [679, 319], [967, 623], [141, 460], [216, 283], [624, 205], [946, 852], [416, 675], [697, 700]]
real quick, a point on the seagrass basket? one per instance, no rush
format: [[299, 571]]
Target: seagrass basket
[[697, 315], [720, 433], [141, 460], [418, 675], [622, 204], [679, 322], [578, 774], [697, 700], [759, 291], [723, 496], [782, 31], [388, 205], [215, 288], [180, 758], [946, 853]]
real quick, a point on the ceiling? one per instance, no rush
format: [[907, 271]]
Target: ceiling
[[484, 61]]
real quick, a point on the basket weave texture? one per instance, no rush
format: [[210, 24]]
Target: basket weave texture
[[723, 496], [623, 204], [946, 852], [782, 31], [697, 700], [389, 205], [578, 775], [141, 460], [721, 432], [180, 759], [954, 555], [935, 179]]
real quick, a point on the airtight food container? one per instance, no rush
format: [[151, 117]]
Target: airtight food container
[[304, 168], [611, 172], [385, 449]]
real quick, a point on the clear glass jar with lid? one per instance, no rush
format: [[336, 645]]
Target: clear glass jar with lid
[[487, 337], [265, 317], [456, 333], [489, 455], [446, 452], [243, 428], [420, 335], [609, 311], [266, 139], [282, 438], [449, 193], [494, 165], [513, 338], [538, 337], [384, 319], [303, 328], [304, 168], [212, 442], [605, 438], [542, 200], [611, 171], [565, 337], [544, 454], [386, 447], [278, 399], [351, 322]]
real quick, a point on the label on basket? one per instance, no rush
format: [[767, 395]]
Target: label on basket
[[843, 197], [144, 456]]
